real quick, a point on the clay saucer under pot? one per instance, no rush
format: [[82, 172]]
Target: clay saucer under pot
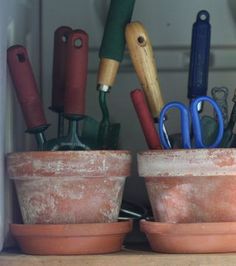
[[70, 239], [190, 237]]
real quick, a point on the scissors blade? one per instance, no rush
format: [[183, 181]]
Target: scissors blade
[[165, 134]]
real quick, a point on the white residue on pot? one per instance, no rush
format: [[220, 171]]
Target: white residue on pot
[[70, 200], [114, 188], [199, 162]]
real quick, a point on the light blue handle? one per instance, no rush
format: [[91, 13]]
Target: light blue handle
[[197, 124], [185, 124]]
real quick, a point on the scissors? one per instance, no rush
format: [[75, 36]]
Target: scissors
[[188, 114]]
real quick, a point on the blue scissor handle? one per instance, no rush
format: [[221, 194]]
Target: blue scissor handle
[[185, 123], [197, 123]]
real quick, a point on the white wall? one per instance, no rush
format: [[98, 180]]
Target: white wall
[[19, 24], [169, 24]]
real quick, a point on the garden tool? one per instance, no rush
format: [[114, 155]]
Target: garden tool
[[27, 93], [75, 85], [58, 75], [209, 127], [190, 115], [111, 54], [145, 119], [199, 58], [142, 56], [220, 95], [229, 137], [198, 73], [130, 210], [209, 130]]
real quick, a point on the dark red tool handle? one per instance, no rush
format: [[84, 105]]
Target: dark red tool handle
[[146, 120], [61, 36], [76, 73], [26, 87]]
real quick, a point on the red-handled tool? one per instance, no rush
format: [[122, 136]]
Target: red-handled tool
[[76, 74], [27, 92], [58, 76], [75, 85], [145, 118]]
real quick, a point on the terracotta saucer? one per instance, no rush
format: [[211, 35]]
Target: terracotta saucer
[[191, 237], [70, 239]]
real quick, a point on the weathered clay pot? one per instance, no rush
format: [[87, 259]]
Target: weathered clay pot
[[190, 186], [69, 186], [70, 239], [191, 237]]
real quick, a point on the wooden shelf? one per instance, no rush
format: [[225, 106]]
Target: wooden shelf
[[125, 257]]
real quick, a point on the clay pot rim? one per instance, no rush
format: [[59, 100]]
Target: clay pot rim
[[186, 162], [71, 152], [214, 228], [98, 163], [153, 152], [66, 179], [71, 230]]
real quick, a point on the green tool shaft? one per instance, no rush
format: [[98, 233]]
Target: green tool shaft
[[111, 54], [103, 106], [40, 140], [113, 43]]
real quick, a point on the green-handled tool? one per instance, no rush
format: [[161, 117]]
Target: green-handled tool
[[220, 95], [210, 126], [229, 138], [111, 54]]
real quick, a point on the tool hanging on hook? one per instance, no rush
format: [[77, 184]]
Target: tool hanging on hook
[[141, 53], [58, 74], [199, 57]]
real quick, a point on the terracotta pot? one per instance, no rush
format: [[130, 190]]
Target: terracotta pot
[[190, 238], [69, 186], [190, 186], [71, 239]]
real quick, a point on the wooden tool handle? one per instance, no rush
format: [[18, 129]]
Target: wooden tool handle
[[59, 60], [141, 54], [107, 71], [145, 119], [76, 73], [26, 87]]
